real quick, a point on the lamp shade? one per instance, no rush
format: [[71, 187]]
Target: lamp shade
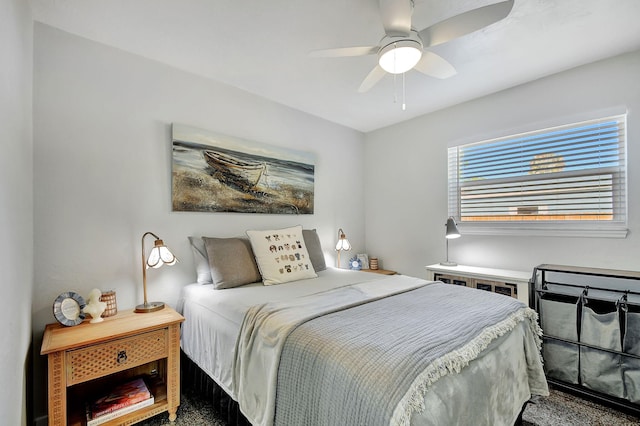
[[160, 255], [452, 229], [343, 243], [450, 233]]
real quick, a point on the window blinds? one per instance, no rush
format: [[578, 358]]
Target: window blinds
[[570, 173]]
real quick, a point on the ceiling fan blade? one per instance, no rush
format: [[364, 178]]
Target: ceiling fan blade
[[396, 16], [371, 79], [344, 51], [465, 23], [435, 66]]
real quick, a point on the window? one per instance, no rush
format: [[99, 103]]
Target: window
[[571, 177]]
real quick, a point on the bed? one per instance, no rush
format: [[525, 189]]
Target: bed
[[351, 347]]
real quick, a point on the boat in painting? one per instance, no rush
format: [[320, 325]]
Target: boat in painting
[[235, 171]]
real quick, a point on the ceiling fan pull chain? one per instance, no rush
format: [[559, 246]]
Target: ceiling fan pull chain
[[395, 89], [404, 94]]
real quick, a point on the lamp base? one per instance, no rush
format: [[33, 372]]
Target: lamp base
[[149, 307], [448, 263]]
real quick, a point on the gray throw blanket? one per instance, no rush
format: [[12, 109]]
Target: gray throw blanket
[[372, 363]]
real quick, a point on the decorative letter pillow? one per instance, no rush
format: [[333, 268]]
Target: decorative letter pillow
[[231, 262], [282, 255]]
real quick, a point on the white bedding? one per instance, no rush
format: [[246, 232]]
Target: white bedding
[[214, 317]]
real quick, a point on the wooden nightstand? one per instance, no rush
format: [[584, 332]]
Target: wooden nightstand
[[87, 359], [380, 271]]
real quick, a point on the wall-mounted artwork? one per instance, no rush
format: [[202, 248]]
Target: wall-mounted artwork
[[217, 173]]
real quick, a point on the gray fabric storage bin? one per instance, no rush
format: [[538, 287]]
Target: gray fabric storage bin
[[601, 371], [561, 360], [631, 342], [631, 377], [559, 316], [601, 325]]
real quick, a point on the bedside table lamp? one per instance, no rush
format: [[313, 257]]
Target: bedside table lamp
[[451, 233], [343, 244], [160, 255]]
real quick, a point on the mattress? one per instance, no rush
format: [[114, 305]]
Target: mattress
[[501, 374]]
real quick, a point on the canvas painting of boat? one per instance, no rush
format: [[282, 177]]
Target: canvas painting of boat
[[219, 173], [227, 168]]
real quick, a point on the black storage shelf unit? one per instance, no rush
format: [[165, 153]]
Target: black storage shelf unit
[[590, 318]]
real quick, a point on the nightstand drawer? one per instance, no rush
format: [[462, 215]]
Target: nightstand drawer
[[116, 355]]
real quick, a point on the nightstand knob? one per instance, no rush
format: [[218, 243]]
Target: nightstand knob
[[122, 357]]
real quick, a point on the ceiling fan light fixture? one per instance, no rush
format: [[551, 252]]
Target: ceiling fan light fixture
[[399, 57]]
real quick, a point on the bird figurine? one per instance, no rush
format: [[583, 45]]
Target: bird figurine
[[95, 307]]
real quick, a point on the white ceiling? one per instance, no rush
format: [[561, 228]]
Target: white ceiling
[[262, 47]]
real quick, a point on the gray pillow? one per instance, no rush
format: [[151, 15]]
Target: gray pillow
[[312, 241], [201, 260], [231, 262]]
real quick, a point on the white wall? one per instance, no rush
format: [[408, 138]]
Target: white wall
[[102, 139], [406, 173], [16, 207]]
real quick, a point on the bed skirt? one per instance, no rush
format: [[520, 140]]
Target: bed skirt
[[196, 380]]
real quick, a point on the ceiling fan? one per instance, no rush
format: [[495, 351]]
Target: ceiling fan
[[403, 48]]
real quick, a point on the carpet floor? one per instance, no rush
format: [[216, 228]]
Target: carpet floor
[[559, 409]]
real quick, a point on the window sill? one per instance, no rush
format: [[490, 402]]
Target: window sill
[[542, 230]]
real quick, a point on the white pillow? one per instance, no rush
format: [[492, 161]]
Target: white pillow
[[200, 260], [281, 255]]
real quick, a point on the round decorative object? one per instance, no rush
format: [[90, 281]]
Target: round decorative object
[[355, 264], [67, 308]]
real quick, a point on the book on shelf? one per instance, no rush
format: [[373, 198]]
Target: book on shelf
[[120, 400], [120, 412]]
